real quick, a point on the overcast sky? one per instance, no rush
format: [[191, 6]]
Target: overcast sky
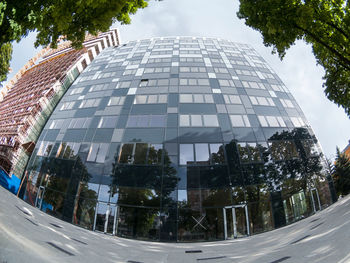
[[218, 18]]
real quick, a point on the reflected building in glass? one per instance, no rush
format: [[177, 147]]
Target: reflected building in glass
[[178, 139]]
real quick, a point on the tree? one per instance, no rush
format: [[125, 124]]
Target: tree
[[341, 174], [5, 57], [53, 19], [325, 24]]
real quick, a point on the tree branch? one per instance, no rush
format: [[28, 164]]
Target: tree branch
[[346, 61], [338, 29]]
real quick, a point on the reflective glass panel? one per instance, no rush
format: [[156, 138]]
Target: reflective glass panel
[[202, 152], [196, 120], [186, 154], [126, 153], [140, 153]]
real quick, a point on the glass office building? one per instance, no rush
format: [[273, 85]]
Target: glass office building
[[178, 139]]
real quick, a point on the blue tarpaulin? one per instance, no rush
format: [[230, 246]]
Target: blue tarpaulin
[[10, 183]]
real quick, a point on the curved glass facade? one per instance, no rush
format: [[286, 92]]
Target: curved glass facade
[[178, 139]]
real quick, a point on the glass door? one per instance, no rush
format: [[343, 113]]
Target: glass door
[[228, 223], [315, 199], [236, 222], [105, 218], [39, 197], [240, 222]]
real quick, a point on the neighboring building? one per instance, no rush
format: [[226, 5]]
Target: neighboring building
[[346, 150], [178, 139], [31, 96]]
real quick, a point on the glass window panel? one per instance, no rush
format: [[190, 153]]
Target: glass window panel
[[104, 193], [202, 152], [254, 100], [192, 82], [211, 121], [272, 121], [276, 149], [245, 84], [196, 120], [217, 153], [209, 98], [198, 98], [186, 154], [60, 150], [272, 93], [92, 152], [132, 121], [162, 99], [102, 151], [152, 82], [140, 153], [224, 82], [203, 82], [126, 153], [227, 99], [142, 120], [113, 101], [281, 122], [235, 99], [107, 122], [270, 101], [41, 149], [140, 99], [79, 123], [183, 81], [68, 150], [47, 151], [237, 121], [186, 98], [75, 149], [263, 121], [246, 121], [157, 121], [184, 120], [152, 99], [243, 152], [254, 152], [289, 104], [262, 101], [254, 85], [163, 82], [261, 86], [295, 121], [71, 124], [87, 123], [155, 154]]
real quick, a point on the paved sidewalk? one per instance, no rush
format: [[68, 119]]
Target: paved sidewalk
[[28, 235]]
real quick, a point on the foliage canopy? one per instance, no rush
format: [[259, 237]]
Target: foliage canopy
[[52, 19], [341, 174], [5, 57], [325, 24]]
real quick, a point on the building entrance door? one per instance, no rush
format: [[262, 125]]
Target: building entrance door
[[106, 218], [39, 197], [315, 199], [236, 221]]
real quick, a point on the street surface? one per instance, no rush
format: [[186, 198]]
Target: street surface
[[29, 235]]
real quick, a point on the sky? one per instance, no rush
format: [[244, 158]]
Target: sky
[[208, 18]]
